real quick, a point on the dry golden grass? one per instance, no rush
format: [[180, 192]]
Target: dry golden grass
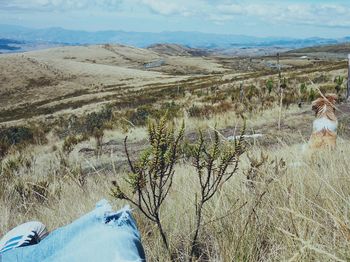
[[294, 208], [288, 207]]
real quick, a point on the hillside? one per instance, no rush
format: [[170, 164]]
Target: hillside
[[83, 123], [56, 79], [57, 35], [9, 45], [61, 80], [329, 51], [337, 48], [178, 50]]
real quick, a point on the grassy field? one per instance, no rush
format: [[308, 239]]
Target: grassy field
[[60, 151]]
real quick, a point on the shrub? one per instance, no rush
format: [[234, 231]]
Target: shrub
[[223, 107], [339, 82], [93, 120], [303, 88], [69, 143], [239, 108], [218, 97], [252, 91], [140, 116], [312, 95], [200, 112], [215, 164], [171, 110], [235, 95], [39, 131], [97, 119], [289, 98], [16, 135], [98, 135], [4, 147], [284, 83], [269, 85], [152, 174], [322, 78]]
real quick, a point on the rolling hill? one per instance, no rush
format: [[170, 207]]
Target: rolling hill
[[71, 77], [335, 50], [143, 39]]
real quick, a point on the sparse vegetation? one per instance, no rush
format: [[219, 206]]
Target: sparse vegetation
[[153, 173], [277, 205], [215, 165]]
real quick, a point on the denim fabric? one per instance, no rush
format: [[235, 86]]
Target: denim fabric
[[100, 235]]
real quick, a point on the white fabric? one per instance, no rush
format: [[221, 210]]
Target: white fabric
[[22, 233], [324, 123]]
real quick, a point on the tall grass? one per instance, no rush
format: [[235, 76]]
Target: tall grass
[[281, 204], [294, 208]]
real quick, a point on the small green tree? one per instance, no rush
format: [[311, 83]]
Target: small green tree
[[97, 120], [303, 88], [215, 163], [312, 95], [339, 80], [269, 85], [152, 174]]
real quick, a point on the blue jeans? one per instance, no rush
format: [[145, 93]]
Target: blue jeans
[[100, 235]]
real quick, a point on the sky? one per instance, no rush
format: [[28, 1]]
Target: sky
[[284, 18]]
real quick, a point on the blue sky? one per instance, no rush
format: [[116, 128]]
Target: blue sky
[[257, 18]]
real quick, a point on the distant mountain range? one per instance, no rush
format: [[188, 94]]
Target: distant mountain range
[[18, 38]]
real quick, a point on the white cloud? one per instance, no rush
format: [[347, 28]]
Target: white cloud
[[309, 14], [331, 14], [62, 5], [163, 7], [176, 7]]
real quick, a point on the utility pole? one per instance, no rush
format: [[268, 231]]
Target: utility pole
[[348, 85], [241, 92], [280, 89], [279, 66]]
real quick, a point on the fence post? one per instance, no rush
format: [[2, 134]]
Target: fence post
[[348, 82]]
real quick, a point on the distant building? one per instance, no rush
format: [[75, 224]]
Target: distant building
[[154, 64]]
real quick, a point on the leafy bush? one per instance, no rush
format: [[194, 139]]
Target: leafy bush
[[4, 147], [322, 78], [303, 88], [140, 116], [97, 119], [200, 111], [171, 110], [70, 142], [312, 95], [16, 135], [339, 80], [269, 85], [152, 174], [215, 164]]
